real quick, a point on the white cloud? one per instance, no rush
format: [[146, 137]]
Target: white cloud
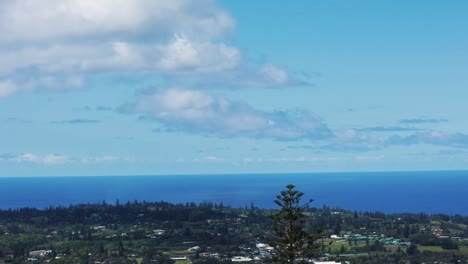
[[179, 54], [57, 38], [45, 82], [214, 159], [183, 54], [126, 55], [275, 74], [61, 38], [7, 88], [196, 111], [241, 76], [72, 20], [56, 159], [48, 159]]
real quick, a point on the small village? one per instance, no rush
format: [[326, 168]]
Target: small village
[[210, 233]]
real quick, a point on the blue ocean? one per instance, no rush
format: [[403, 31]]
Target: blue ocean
[[389, 192]]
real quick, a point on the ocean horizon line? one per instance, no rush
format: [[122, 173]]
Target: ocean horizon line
[[235, 174]]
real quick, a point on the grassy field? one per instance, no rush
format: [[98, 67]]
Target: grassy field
[[431, 249], [462, 249]]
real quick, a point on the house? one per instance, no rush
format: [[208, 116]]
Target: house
[[159, 232], [178, 257], [406, 244], [39, 253], [101, 228], [240, 259]]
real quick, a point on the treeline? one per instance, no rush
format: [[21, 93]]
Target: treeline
[[332, 220], [118, 213]]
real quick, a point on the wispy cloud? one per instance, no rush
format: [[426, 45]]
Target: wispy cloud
[[198, 112], [104, 108], [16, 82], [96, 108], [458, 140], [48, 159], [77, 121], [390, 129], [350, 140], [423, 120], [18, 120], [358, 142], [99, 159], [57, 159], [7, 87], [292, 159], [363, 158]]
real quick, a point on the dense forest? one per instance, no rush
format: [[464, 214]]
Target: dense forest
[[161, 232]]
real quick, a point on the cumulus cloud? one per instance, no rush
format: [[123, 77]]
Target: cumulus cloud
[[58, 43], [196, 111], [179, 53], [183, 54], [48, 159], [71, 20]]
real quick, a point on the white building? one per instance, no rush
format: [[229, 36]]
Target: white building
[[240, 259]]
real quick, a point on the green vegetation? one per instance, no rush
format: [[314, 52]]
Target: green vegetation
[[210, 233]]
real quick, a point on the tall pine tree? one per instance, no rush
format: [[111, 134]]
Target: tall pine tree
[[293, 243]]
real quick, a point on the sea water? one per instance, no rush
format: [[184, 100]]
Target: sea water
[[389, 192]]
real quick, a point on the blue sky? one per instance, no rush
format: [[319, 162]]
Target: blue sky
[[175, 87]]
